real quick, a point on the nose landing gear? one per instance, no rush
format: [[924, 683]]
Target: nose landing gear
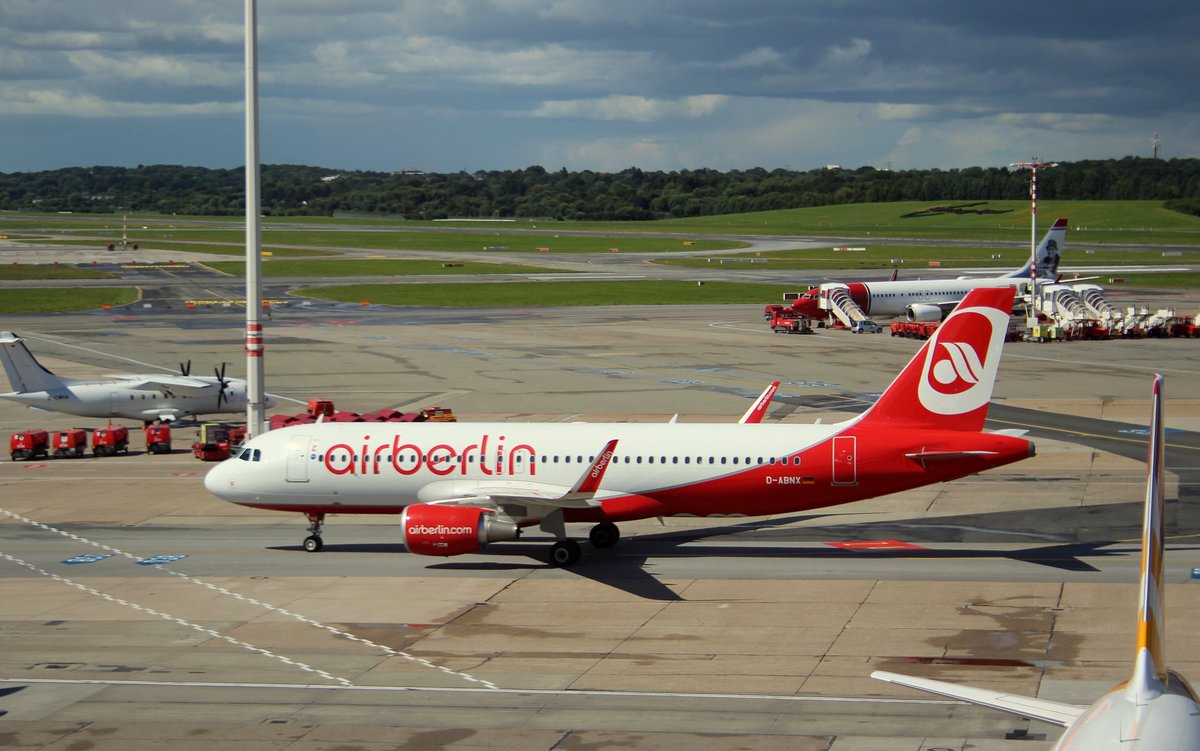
[[313, 543]]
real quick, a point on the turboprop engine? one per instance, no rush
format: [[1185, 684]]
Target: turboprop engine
[[924, 312], [431, 529]]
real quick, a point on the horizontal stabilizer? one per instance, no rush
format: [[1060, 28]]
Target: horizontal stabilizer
[[1053, 712], [935, 456]]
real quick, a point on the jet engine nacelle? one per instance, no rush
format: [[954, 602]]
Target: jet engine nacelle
[[924, 313], [452, 530]]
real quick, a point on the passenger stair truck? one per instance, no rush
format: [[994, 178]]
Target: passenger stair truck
[[1104, 311], [836, 300]]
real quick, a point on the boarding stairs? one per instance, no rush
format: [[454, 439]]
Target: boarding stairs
[[1061, 303], [1093, 297], [836, 299]]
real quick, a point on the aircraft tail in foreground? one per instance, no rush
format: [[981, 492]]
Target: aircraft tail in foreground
[[949, 383], [1155, 709]]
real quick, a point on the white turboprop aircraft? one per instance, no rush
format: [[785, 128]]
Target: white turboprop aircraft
[[135, 397], [1155, 709], [932, 299], [458, 486]]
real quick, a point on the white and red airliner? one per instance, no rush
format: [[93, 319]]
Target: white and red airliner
[[933, 299], [459, 486]]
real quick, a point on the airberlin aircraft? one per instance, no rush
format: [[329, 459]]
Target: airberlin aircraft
[[459, 486]]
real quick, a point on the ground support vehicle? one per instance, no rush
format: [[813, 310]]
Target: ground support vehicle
[[787, 322], [158, 438], [914, 329], [217, 441], [70, 443], [110, 440], [29, 444]]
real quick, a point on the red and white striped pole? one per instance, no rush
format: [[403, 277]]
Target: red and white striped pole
[[1033, 165], [255, 379]]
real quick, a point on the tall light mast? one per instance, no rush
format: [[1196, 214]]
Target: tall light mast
[[1033, 165], [255, 381]]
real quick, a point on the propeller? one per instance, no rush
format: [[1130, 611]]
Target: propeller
[[221, 382]]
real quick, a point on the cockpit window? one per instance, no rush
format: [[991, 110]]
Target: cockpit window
[[244, 455]]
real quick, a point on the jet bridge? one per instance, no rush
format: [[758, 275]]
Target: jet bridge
[[836, 299]]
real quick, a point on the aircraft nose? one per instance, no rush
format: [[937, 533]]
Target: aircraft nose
[[220, 480]]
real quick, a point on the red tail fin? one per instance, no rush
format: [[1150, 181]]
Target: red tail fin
[[949, 383]]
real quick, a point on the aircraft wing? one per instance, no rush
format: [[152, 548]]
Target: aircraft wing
[[505, 493], [1053, 712], [167, 383]]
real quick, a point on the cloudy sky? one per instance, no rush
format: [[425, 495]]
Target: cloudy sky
[[445, 85]]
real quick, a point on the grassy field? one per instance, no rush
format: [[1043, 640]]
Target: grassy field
[[1091, 222], [49, 271], [54, 300], [913, 258], [540, 295], [1094, 225], [230, 249], [375, 267], [328, 242]]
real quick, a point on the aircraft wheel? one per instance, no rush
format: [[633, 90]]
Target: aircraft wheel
[[604, 535], [565, 553], [313, 544]]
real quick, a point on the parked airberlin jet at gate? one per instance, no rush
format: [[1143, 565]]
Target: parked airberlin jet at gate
[[459, 486]]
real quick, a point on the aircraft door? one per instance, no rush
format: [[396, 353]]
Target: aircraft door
[[115, 403], [297, 459], [845, 460]]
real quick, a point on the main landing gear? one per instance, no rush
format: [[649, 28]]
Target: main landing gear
[[313, 543], [566, 552]]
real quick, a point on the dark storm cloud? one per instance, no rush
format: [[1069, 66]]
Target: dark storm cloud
[[506, 83]]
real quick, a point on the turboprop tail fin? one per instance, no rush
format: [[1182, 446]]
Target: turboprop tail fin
[[25, 373]]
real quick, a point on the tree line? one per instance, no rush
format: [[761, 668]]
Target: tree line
[[632, 194]]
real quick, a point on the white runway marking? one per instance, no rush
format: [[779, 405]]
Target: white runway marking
[[791, 698], [207, 585], [173, 619]]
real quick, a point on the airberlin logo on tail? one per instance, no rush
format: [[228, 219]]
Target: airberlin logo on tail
[[960, 369], [958, 373]]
